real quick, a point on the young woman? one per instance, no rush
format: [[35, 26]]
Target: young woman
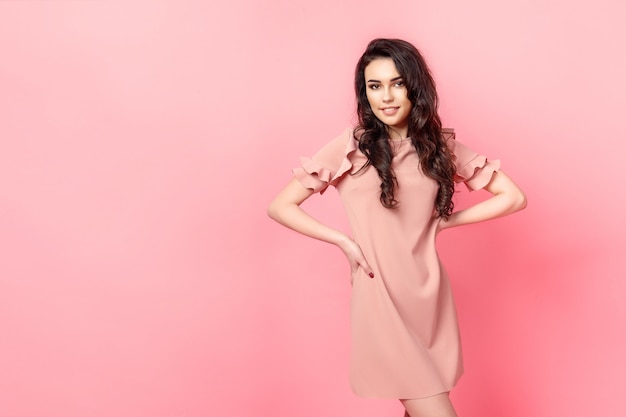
[[395, 173]]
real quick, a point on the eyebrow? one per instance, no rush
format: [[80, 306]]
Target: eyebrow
[[377, 81]]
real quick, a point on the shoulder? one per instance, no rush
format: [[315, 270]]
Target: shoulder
[[449, 138], [472, 167], [447, 133], [328, 165], [340, 145], [461, 153], [345, 137]]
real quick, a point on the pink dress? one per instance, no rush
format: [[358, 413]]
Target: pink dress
[[405, 335]]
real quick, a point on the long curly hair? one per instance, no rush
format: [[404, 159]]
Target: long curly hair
[[424, 124]]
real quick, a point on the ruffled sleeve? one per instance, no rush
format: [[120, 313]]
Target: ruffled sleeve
[[328, 165], [473, 169]]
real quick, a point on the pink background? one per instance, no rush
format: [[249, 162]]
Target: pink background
[[142, 141]]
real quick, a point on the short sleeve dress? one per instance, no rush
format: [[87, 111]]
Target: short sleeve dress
[[405, 334]]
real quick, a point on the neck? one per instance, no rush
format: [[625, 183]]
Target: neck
[[396, 134]]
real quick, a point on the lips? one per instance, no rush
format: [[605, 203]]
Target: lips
[[389, 111]]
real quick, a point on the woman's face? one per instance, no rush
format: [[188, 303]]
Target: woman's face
[[387, 96]]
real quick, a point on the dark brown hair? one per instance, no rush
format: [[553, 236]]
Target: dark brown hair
[[424, 124]]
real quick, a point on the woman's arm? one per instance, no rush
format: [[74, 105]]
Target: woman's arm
[[507, 198], [286, 210]]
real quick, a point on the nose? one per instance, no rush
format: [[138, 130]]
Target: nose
[[387, 96]]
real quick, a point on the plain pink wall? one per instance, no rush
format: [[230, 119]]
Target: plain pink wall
[[142, 141]]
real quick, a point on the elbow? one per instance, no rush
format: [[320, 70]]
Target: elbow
[[272, 211], [276, 211], [520, 201]]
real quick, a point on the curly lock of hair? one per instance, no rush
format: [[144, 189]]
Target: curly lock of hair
[[424, 125]]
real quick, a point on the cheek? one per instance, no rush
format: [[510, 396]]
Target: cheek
[[371, 97]]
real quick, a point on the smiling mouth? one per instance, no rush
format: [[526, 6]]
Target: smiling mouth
[[389, 110]]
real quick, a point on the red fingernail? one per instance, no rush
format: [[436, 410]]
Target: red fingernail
[[371, 275]]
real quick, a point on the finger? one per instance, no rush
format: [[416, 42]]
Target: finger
[[368, 270]]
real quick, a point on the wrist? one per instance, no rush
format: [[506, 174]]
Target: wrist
[[342, 241]]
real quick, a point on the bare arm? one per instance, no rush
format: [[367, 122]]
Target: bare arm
[[507, 198], [286, 210]]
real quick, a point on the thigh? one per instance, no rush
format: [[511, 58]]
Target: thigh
[[436, 406]]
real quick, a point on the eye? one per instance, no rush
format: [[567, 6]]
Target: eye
[[374, 86], [399, 84]]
